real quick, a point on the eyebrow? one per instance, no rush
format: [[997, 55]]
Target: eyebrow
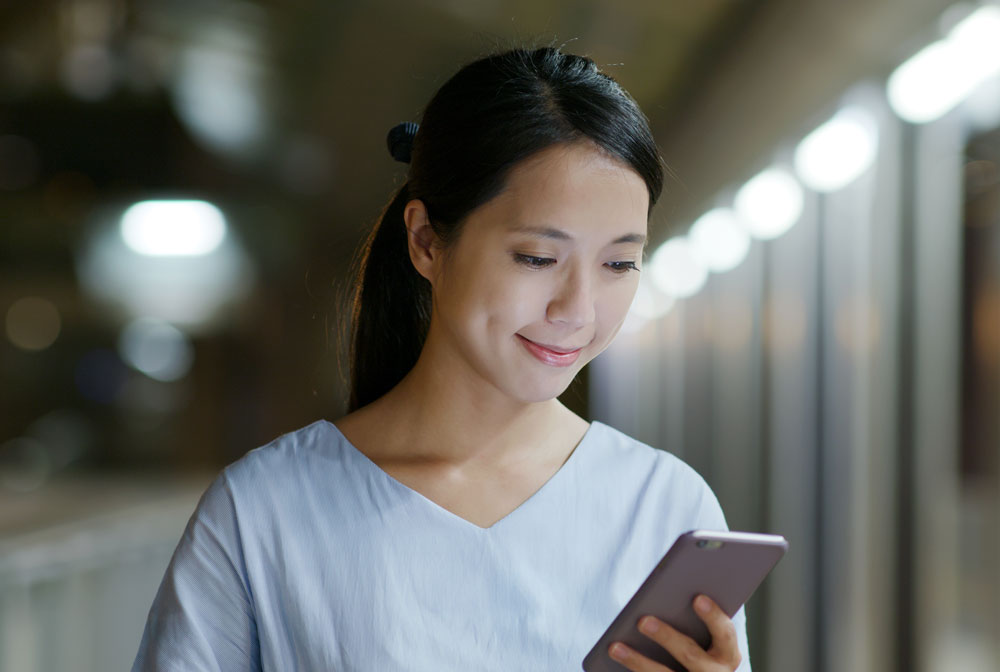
[[558, 234]]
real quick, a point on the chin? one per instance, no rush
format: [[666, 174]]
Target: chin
[[544, 390]]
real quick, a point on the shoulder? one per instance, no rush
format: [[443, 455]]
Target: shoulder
[[290, 455], [280, 474], [620, 451], [276, 486], [663, 479]]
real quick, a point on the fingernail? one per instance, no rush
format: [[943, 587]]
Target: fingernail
[[702, 605], [618, 651], [649, 625]]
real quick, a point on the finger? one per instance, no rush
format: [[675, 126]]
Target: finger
[[634, 660], [685, 650], [725, 646]]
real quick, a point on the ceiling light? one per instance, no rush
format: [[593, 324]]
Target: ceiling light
[[837, 152], [769, 204], [676, 271], [941, 75], [173, 228], [718, 240]]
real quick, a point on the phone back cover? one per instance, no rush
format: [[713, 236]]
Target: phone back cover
[[728, 574]]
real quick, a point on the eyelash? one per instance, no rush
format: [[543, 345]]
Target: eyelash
[[530, 261]]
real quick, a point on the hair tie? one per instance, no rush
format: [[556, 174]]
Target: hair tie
[[400, 140]]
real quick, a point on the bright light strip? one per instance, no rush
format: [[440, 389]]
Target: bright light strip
[[837, 152], [173, 228], [928, 85], [718, 240], [676, 271], [941, 75], [769, 203]]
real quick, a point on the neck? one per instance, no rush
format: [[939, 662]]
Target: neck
[[444, 413]]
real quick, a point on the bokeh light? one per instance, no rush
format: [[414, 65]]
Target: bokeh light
[[99, 375], [33, 323], [769, 203], [718, 240], [838, 151], [936, 79], [676, 269], [179, 228], [156, 348]]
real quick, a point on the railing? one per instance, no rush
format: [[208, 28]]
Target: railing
[[74, 595]]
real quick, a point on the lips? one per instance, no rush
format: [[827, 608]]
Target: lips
[[550, 354], [556, 349]]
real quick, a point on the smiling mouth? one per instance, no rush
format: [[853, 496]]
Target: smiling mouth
[[548, 356], [552, 348]]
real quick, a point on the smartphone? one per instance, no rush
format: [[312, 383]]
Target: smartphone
[[726, 566]]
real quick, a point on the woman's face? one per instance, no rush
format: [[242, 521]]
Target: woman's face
[[541, 276]]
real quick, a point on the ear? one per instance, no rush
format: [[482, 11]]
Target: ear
[[425, 251]]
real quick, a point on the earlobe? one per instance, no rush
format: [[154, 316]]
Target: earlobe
[[420, 238]]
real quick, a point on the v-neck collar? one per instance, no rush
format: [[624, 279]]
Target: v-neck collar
[[545, 487]]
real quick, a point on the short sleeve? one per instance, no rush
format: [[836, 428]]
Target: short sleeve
[[202, 617], [711, 517]]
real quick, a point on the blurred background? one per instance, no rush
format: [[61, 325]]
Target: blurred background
[[817, 332]]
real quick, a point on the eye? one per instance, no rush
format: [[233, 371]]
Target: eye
[[533, 262], [622, 267]]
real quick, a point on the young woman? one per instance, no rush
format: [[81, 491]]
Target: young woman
[[459, 517]]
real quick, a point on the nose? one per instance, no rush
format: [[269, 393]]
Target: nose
[[573, 302]]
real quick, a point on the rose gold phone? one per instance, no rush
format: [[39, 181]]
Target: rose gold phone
[[726, 566]]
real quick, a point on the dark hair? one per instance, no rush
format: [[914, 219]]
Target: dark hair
[[492, 114]]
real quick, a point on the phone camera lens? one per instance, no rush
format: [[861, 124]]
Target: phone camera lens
[[710, 544]]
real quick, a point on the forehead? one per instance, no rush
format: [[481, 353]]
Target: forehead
[[573, 186]]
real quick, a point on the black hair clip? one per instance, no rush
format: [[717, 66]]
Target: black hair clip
[[400, 140]]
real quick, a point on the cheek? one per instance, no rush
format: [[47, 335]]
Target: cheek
[[615, 302], [514, 304], [496, 302]]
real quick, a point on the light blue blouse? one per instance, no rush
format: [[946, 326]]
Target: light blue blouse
[[305, 555]]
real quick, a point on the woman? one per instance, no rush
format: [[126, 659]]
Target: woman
[[459, 517]]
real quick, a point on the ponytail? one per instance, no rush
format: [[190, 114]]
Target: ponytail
[[391, 309]]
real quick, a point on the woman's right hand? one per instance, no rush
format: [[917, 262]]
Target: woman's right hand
[[722, 656]]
